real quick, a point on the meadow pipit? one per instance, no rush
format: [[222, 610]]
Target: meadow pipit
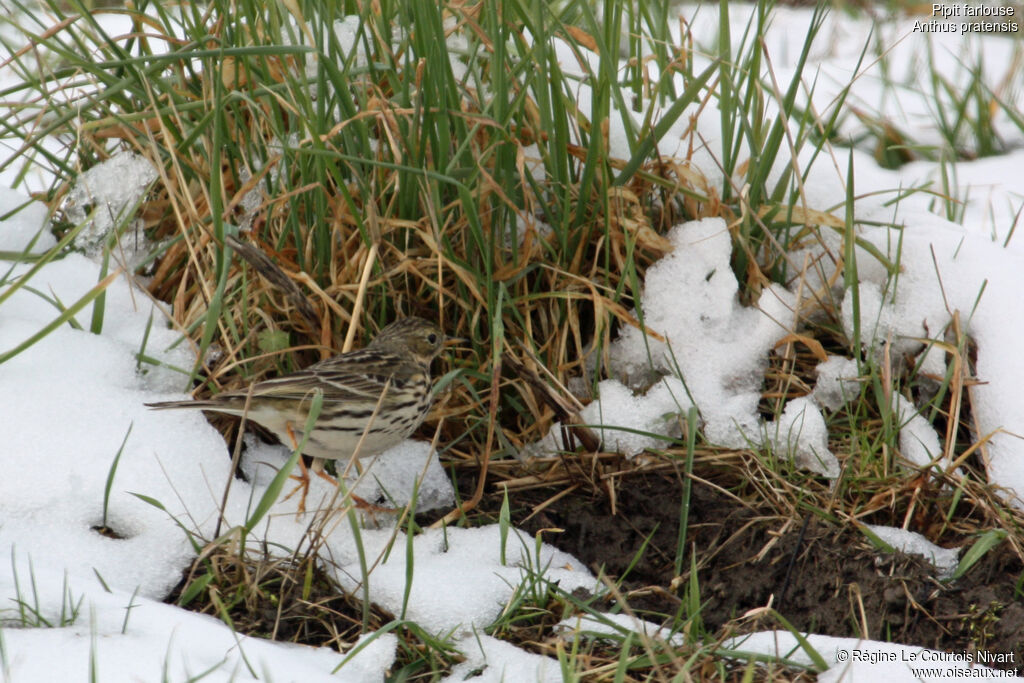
[[378, 395]]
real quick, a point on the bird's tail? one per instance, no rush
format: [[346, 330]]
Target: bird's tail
[[174, 405]]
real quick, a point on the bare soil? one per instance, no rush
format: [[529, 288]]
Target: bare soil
[[821, 578]]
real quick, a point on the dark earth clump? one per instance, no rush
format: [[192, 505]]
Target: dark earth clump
[[821, 578], [269, 597]]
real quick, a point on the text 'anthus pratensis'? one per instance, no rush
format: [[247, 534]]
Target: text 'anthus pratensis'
[[392, 371]]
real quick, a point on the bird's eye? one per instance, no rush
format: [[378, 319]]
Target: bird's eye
[[432, 338]]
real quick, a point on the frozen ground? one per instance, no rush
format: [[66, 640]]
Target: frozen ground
[[72, 402]]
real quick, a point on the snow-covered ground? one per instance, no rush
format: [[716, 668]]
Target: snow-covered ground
[[73, 600]]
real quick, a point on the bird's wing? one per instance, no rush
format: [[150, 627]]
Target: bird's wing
[[360, 377]]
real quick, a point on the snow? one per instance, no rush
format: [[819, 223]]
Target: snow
[[919, 442], [800, 434], [72, 401], [643, 418], [720, 348], [389, 478], [913, 543], [489, 660], [837, 382], [464, 567], [613, 628], [75, 397], [104, 198], [947, 270], [17, 233]]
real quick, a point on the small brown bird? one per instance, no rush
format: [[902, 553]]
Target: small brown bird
[[388, 381]]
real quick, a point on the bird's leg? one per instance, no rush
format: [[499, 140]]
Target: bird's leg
[[318, 470], [361, 503], [303, 478]]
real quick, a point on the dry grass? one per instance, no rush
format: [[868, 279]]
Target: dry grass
[[558, 313], [278, 598]]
